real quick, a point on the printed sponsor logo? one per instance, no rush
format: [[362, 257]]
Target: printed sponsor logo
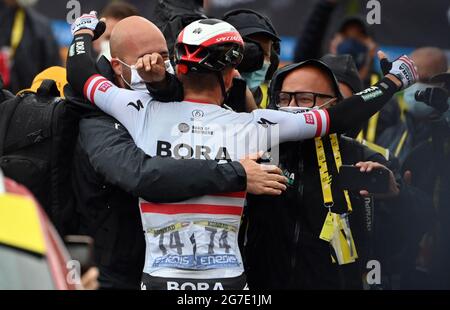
[[309, 118], [265, 122], [200, 286], [202, 130], [185, 151], [138, 105], [217, 261], [196, 114], [370, 93], [79, 48], [175, 261], [230, 38], [183, 127], [104, 86]]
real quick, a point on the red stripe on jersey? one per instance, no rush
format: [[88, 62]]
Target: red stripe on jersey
[[162, 208], [327, 119], [231, 194], [196, 101], [86, 85], [319, 123], [94, 87]]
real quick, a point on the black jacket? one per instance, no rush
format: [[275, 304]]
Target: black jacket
[[299, 258], [37, 50], [309, 43], [110, 172], [283, 249]]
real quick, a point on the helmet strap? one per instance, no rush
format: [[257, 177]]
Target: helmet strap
[[222, 86]]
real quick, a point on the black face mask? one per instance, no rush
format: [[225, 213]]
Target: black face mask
[[274, 60], [253, 56]]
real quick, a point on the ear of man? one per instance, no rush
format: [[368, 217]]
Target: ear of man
[[118, 72], [228, 75]]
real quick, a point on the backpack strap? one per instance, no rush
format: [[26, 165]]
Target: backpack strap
[[7, 110]]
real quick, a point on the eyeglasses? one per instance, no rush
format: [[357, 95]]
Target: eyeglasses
[[302, 99]]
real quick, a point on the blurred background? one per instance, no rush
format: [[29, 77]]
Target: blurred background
[[405, 24]]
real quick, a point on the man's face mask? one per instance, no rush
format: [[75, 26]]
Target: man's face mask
[[256, 78], [169, 67], [296, 110], [353, 47], [104, 49], [137, 82], [416, 108]]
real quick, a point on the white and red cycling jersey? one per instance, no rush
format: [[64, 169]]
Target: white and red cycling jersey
[[197, 238]]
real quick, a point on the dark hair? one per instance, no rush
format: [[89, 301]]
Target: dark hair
[[119, 10]]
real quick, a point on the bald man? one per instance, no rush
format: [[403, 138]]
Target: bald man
[[430, 61], [110, 171], [131, 39]]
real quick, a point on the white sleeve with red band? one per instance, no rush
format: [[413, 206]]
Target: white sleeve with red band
[[295, 127], [125, 105], [91, 85]]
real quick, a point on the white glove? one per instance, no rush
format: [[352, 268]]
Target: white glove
[[91, 22], [403, 68], [85, 21]]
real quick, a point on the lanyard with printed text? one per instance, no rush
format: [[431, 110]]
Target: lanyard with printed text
[[325, 178]]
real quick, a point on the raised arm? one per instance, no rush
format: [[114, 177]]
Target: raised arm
[[123, 104], [354, 110]]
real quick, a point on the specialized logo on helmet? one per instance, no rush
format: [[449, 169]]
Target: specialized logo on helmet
[[197, 30], [230, 38]]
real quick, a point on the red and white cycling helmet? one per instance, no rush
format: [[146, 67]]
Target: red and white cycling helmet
[[208, 45]]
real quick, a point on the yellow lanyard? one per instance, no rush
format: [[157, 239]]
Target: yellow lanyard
[[336, 229], [399, 147], [338, 161], [325, 178], [264, 100], [17, 30], [374, 147]]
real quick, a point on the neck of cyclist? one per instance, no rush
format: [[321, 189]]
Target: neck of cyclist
[[213, 96]]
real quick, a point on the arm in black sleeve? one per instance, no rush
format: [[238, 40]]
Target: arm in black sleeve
[[81, 66], [309, 43], [80, 62], [172, 90], [360, 107], [114, 155]]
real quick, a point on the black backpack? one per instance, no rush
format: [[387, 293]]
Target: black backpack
[[38, 132]]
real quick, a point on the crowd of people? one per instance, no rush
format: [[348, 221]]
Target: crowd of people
[[196, 161]]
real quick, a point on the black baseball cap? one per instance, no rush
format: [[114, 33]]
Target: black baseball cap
[[249, 22], [344, 68]]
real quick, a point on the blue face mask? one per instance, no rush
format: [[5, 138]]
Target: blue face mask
[[353, 47], [416, 108], [256, 78]]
